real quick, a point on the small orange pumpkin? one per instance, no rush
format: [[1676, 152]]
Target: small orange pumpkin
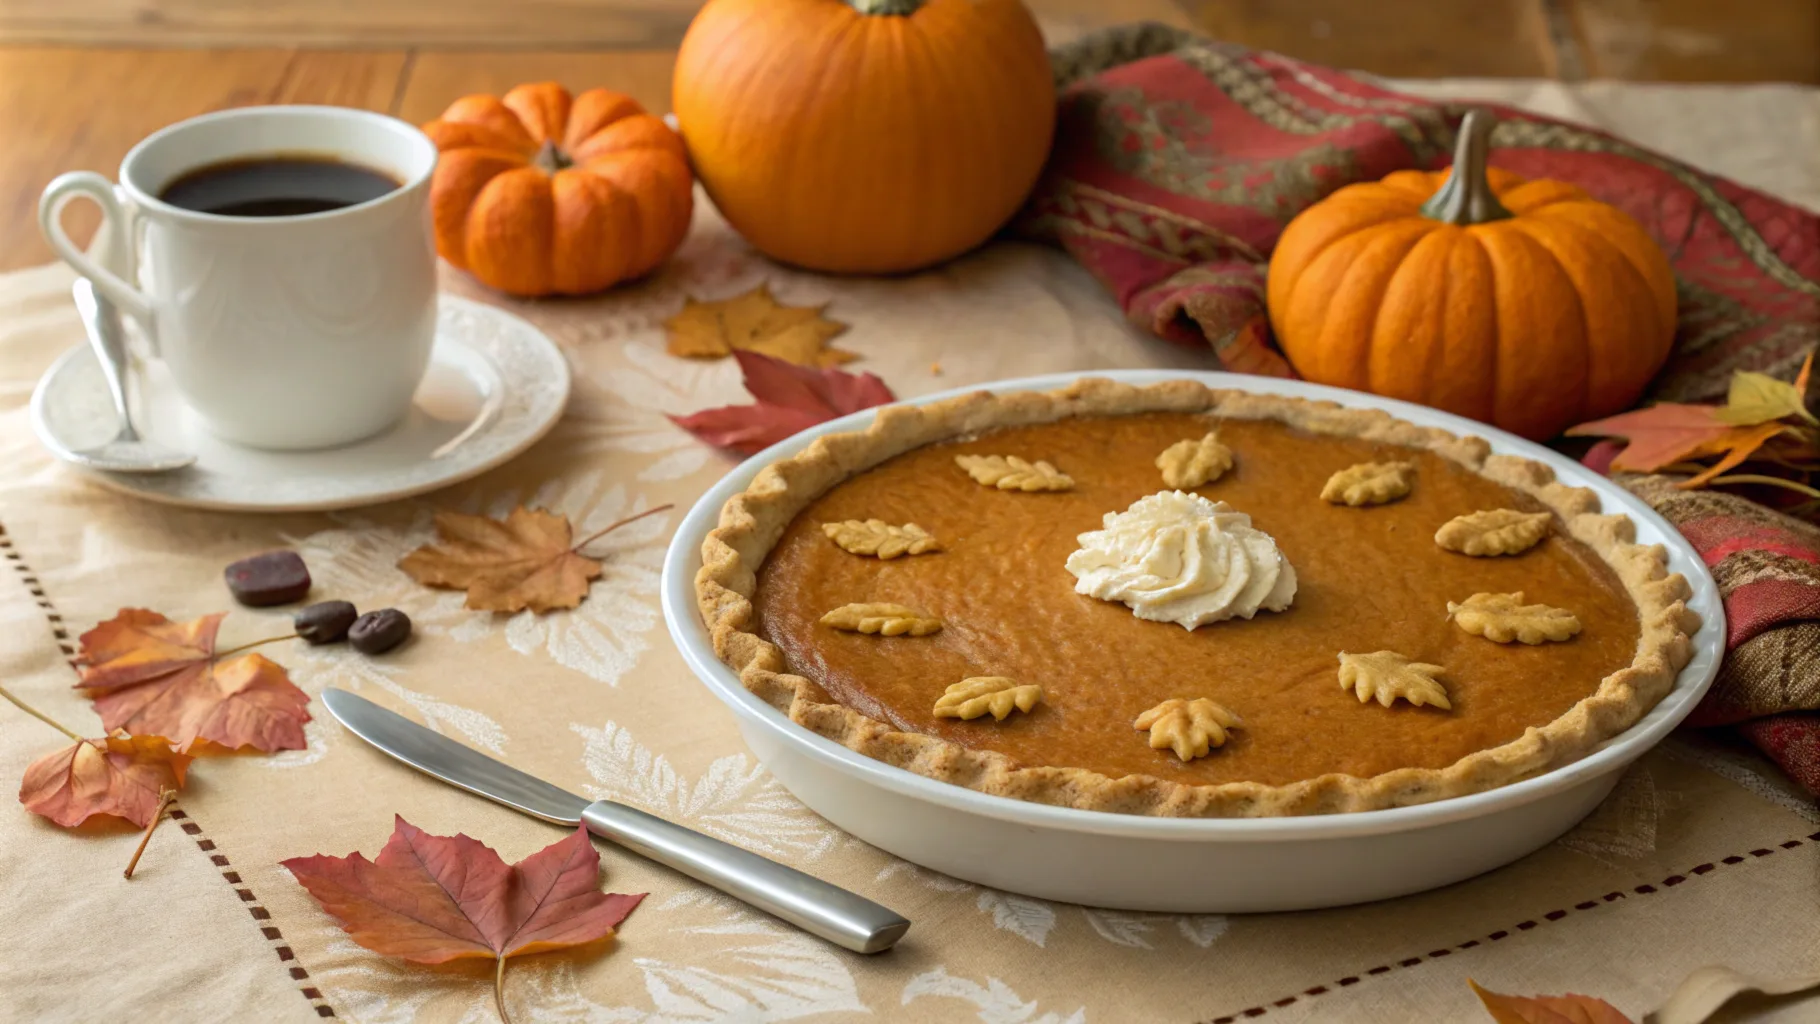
[[865, 136], [538, 194], [1524, 304]]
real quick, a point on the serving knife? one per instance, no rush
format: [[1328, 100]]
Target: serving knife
[[817, 907]]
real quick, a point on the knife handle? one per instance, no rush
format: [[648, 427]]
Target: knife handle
[[828, 911]]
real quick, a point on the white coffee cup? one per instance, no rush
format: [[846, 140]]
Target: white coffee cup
[[279, 332]]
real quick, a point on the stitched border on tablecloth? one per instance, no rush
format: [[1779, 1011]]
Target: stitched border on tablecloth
[[1252, 1013], [286, 955]]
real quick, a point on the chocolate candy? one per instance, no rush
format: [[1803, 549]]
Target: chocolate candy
[[380, 631], [325, 622], [276, 577]]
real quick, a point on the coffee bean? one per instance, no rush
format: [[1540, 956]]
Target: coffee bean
[[325, 622], [380, 631], [276, 577]]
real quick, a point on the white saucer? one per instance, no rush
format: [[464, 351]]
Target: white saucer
[[495, 385]]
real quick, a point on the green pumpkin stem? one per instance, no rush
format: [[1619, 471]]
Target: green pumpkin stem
[[886, 8], [551, 159], [1466, 196]]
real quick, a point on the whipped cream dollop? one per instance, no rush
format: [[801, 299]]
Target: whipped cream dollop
[[1177, 557]]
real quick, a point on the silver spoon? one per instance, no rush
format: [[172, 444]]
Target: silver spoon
[[127, 452]]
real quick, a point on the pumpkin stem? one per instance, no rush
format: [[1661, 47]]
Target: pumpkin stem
[[887, 8], [550, 158], [1466, 196]]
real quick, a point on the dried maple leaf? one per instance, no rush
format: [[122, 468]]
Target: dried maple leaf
[[1564, 1009], [1759, 398], [124, 776], [153, 677], [527, 560], [1737, 445], [755, 322], [1659, 435], [431, 899], [790, 399]]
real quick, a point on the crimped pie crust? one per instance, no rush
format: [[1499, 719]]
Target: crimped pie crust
[[752, 522]]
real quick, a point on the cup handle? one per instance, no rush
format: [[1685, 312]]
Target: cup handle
[[88, 184]]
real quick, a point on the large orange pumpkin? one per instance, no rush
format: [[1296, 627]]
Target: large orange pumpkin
[[538, 193], [865, 136], [1525, 304]]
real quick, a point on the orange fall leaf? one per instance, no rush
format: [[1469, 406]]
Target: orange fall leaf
[[120, 776], [150, 676], [529, 559], [1658, 435], [1564, 1009], [1737, 445]]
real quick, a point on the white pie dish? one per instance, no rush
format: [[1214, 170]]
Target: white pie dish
[[1186, 864]]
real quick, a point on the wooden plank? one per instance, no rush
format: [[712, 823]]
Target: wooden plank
[[1063, 21], [83, 109], [438, 78], [1408, 38], [438, 24], [1698, 40], [351, 24]]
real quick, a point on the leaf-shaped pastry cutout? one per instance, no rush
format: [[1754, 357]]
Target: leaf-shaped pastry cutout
[[980, 695], [1388, 675], [883, 619], [1370, 483], [1187, 464], [1189, 727], [1504, 617], [1010, 473], [1498, 531], [877, 537]]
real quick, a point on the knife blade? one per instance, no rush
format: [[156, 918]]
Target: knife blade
[[819, 908]]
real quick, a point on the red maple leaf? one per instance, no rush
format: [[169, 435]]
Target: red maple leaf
[[154, 677], [1660, 434], [430, 899], [790, 399], [124, 776]]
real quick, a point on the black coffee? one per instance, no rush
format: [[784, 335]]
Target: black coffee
[[276, 186]]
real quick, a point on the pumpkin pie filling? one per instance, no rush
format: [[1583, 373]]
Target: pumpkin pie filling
[[1370, 578]]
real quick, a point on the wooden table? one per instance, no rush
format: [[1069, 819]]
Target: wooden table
[[85, 79]]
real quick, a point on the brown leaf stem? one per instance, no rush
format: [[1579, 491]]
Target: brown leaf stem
[[165, 799], [257, 643], [610, 527], [39, 715], [499, 991]]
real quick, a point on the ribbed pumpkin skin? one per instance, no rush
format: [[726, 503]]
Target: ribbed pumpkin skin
[[857, 143], [619, 210], [1557, 315]]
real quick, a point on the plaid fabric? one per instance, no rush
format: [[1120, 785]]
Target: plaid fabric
[[1768, 568], [1178, 162]]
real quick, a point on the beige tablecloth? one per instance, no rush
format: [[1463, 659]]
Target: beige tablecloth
[[1701, 856]]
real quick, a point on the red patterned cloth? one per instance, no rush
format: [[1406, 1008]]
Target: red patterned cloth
[[1178, 161]]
